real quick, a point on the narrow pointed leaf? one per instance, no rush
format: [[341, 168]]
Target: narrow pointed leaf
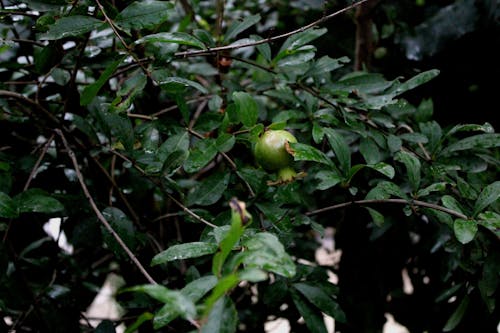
[[412, 164], [312, 317], [172, 37], [223, 318], [340, 148], [71, 26], [91, 91], [144, 14]]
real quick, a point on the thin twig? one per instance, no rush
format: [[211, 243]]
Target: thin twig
[[37, 164], [426, 153], [98, 213], [270, 39], [177, 202], [384, 201]]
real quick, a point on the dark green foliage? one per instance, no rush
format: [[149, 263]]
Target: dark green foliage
[[134, 124]]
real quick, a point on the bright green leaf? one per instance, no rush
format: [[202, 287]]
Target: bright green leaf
[[196, 289], [383, 168], [184, 251], [222, 319], [465, 230], [303, 152]]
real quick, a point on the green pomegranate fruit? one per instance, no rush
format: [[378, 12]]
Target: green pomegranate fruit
[[270, 150]]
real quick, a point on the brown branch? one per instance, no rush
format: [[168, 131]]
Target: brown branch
[[98, 213], [37, 164], [270, 39], [384, 201]]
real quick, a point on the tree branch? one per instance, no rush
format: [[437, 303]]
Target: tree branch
[[384, 201], [270, 39], [98, 213]]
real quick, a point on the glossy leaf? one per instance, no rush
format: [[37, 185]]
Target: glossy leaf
[[465, 230], [210, 190], [222, 319], [312, 317], [303, 152], [370, 151], [246, 108], [36, 201], [239, 26], [323, 301], [384, 190], [383, 168], [451, 203], [198, 288], [172, 37], [297, 40], [70, 26], [182, 82], [265, 251], [489, 140], [327, 179], [184, 251], [144, 14], [122, 225], [488, 195]]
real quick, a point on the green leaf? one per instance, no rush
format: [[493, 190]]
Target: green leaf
[[70, 26], [222, 319], [488, 195], [312, 317], [7, 207], [144, 317], [370, 151], [322, 300], [172, 37], [200, 155], [412, 164], [184, 251], [377, 217], [210, 190], [143, 14], [298, 58], [177, 142], [457, 316], [394, 143], [36, 201], [239, 26], [174, 82], [384, 190], [490, 220], [246, 108], [328, 179], [223, 286], [451, 203], [225, 142], [176, 304], [91, 91], [265, 251], [325, 65], [297, 40], [436, 187], [383, 168], [240, 218], [465, 230], [340, 148], [122, 225], [486, 127], [414, 82], [303, 152], [489, 140], [196, 289]]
